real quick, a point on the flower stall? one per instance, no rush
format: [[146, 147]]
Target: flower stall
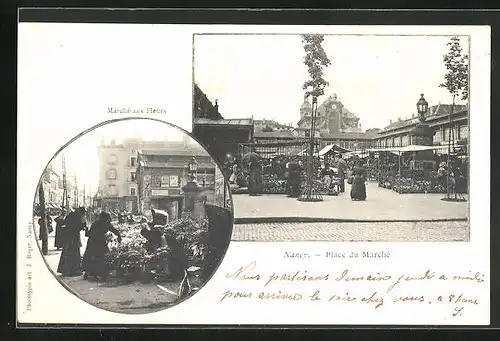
[[408, 177], [130, 260]]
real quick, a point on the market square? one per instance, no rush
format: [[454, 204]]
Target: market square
[[336, 153]]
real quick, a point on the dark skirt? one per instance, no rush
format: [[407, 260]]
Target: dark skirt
[[59, 237], [70, 261], [94, 257], [358, 189], [294, 181], [254, 182]]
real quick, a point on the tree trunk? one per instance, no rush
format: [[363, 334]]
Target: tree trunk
[[311, 152], [43, 219], [448, 165]]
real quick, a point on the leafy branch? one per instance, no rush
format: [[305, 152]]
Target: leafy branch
[[315, 59], [457, 66]]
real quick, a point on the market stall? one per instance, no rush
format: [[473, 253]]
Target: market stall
[[273, 158], [131, 260], [399, 170]]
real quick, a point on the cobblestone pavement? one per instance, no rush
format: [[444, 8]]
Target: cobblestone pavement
[[381, 204], [358, 232], [130, 298]]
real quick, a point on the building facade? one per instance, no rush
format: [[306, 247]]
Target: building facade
[[162, 174], [398, 134], [52, 188], [118, 164], [220, 136], [331, 118]]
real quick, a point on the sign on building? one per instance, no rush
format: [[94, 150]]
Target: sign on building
[[159, 192]]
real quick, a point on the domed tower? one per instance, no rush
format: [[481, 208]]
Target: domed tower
[[305, 109]]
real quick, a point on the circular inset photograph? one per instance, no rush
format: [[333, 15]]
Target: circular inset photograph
[[133, 215]]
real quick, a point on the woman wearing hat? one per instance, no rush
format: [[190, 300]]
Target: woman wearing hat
[[70, 261], [59, 238], [97, 247]]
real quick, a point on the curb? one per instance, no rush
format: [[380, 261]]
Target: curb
[[264, 220]]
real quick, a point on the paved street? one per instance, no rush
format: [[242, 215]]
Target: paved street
[[381, 205], [353, 232], [131, 298]]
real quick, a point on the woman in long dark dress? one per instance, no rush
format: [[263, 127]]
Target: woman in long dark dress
[[255, 178], [60, 227], [70, 261], [358, 187], [97, 247], [294, 178]]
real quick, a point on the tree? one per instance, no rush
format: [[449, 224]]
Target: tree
[[457, 75], [316, 60], [456, 81]]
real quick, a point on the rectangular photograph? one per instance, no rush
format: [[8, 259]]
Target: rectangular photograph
[[349, 137]]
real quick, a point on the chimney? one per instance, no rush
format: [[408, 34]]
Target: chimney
[[390, 121], [216, 106]]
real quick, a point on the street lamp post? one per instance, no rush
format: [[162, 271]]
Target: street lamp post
[[191, 188], [422, 134], [422, 107], [192, 168]]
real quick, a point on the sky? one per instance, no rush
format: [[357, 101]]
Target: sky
[[378, 78], [81, 156], [70, 74]]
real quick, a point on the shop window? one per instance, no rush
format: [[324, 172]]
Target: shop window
[[165, 181], [174, 181]]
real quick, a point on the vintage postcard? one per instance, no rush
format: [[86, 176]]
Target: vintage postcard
[[300, 175]]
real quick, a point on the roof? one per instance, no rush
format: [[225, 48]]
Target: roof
[[331, 147], [176, 152], [348, 136], [225, 122], [410, 148], [345, 112], [273, 134], [279, 144], [306, 104], [434, 112], [154, 164]]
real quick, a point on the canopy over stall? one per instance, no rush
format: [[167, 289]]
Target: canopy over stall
[[332, 148], [410, 148], [360, 154]]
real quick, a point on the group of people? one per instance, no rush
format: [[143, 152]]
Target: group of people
[[293, 174], [93, 263], [357, 178], [68, 239]]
